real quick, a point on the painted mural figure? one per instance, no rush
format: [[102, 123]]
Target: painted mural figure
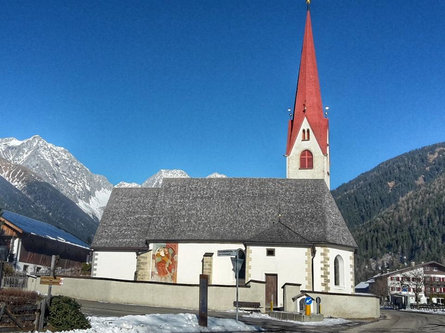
[[164, 262]]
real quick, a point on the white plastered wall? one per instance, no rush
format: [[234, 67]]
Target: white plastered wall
[[190, 257], [320, 161], [114, 265], [347, 273], [324, 270], [288, 263]]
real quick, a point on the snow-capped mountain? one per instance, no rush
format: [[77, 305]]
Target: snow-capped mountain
[[58, 167], [24, 192], [157, 178], [125, 184], [216, 175]]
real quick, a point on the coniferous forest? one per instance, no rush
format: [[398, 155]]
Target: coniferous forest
[[396, 211]]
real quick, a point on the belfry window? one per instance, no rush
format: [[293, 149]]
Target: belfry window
[[308, 134], [306, 160]]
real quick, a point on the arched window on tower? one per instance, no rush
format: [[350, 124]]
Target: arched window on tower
[[338, 271], [306, 160], [308, 134], [304, 135]]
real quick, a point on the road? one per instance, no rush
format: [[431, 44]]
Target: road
[[390, 321], [403, 321]]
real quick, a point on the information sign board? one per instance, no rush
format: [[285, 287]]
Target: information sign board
[[50, 280], [227, 253]]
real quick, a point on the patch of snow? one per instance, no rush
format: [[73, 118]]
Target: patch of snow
[[157, 323], [12, 142], [324, 322], [435, 311]]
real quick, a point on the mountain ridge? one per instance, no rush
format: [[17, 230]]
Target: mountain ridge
[[396, 211], [58, 167]]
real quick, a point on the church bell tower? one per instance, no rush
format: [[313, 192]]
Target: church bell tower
[[307, 151]]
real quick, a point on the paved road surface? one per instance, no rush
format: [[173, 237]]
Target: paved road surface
[[391, 320], [403, 321]]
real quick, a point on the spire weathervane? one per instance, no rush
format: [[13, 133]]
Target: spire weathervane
[[308, 3]]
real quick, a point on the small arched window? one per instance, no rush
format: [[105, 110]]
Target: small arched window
[[308, 134], [304, 135], [338, 271], [306, 160]]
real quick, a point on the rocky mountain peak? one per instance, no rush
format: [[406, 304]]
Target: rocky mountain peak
[[157, 179], [58, 167]]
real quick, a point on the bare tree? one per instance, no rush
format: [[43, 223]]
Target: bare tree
[[413, 280], [380, 288]]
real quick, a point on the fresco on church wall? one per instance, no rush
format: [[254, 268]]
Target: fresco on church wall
[[165, 262]]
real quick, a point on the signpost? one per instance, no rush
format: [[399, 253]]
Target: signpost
[[50, 281], [203, 297], [308, 302], [237, 263], [318, 301]]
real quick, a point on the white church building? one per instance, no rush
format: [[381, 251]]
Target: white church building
[[290, 230]]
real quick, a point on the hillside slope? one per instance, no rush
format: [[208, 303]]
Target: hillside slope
[[372, 192], [396, 211]]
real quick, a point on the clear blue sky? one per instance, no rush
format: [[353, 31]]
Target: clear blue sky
[[130, 87]]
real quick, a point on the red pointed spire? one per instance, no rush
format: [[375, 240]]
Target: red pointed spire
[[308, 98]]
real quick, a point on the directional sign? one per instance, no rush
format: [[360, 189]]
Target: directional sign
[[308, 301], [50, 280], [237, 264], [227, 253]]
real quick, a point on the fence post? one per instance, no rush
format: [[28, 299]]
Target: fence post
[[45, 302], [1, 274], [42, 314]]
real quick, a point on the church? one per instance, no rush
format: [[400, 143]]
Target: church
[[289, 231]]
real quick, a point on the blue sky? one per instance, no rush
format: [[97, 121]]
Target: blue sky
[[130, 87]]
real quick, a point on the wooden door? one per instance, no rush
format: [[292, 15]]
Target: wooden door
[[271, 290]]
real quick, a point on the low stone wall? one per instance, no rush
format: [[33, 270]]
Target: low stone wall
[[221, 298], [152, 293], [349, 306]]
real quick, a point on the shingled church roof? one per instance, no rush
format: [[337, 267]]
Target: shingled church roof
[[293, 212]]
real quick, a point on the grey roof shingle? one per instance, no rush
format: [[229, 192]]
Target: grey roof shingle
[[251, 210]]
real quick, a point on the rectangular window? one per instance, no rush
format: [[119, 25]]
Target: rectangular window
[[392, 288], [270, 252], [392, 278]]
